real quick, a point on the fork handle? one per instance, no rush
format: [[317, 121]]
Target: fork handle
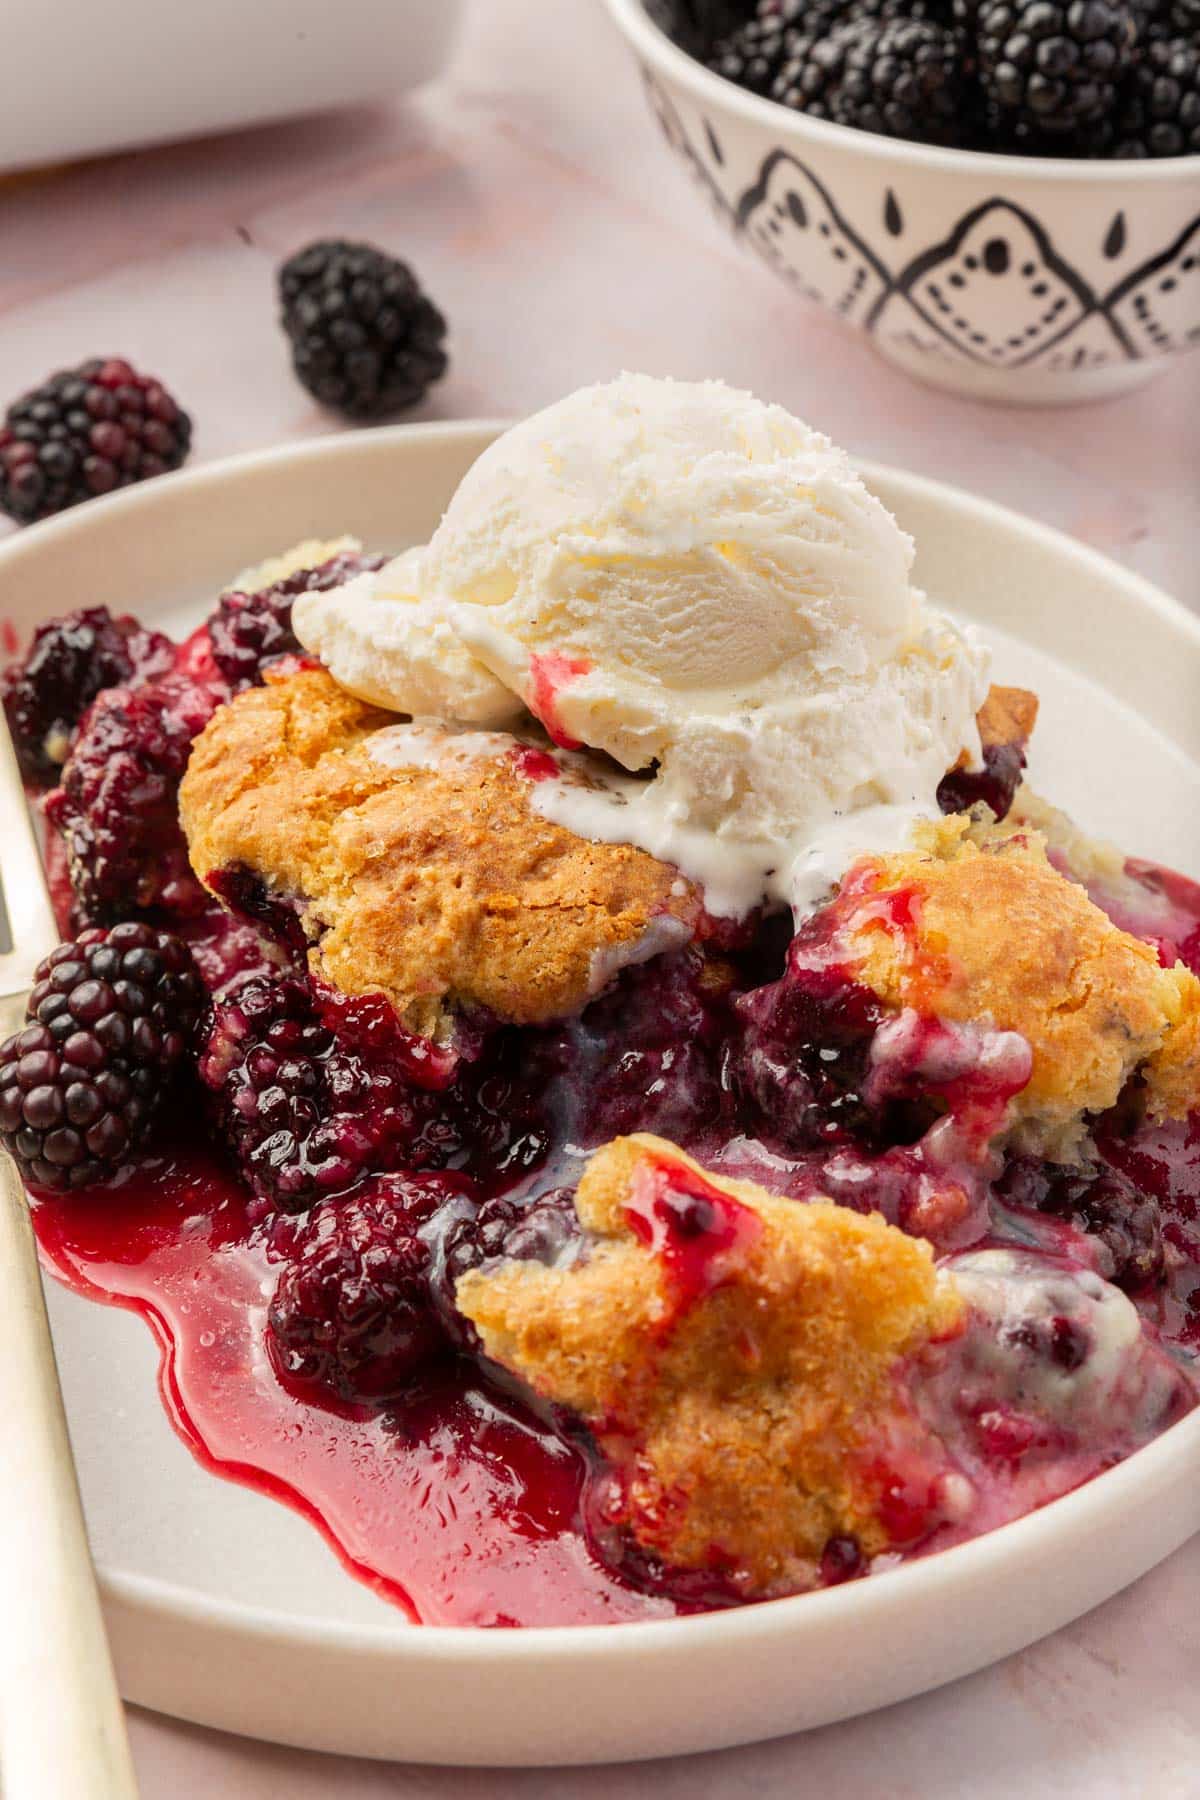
[[62, 1728]]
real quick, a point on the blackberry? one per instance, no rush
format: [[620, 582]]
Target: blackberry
[[365, 339], [352, 1311], [1167, 19], [109, 1019], [116, 807], [1050, 70], [250, 631], [995, 784], [1125, 1223], [755, 50], [697, 24], [1160, 115], [770, 52], [317, 1090], [466, 1237], [646, 1055], [84, 432], [898, 77], [47, 692]]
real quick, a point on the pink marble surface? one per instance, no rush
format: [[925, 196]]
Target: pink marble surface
[[529, 191]]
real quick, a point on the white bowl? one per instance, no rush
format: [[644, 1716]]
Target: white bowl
[[89, 79], [1032, 280], [228, 1608]]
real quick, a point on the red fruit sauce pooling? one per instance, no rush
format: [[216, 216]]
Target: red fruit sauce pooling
[[463, 1508], [692, 1226]]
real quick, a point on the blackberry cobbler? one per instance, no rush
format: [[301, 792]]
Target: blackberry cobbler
[[568, 1248]]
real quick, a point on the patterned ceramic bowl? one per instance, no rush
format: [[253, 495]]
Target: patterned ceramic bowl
[[1031, 280]]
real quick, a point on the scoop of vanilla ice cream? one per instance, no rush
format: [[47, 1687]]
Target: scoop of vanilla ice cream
[[698, 584], [381, 640], [681, 552]]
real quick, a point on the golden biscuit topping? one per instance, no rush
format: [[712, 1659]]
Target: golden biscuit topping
[[431, 880], [737, 1356], [983, 928]]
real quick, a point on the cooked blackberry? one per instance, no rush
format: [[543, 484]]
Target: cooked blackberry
[[904, 78], [801, 1063], [995, 784], [1160, 113], [116, 807], [47, 692], [352, 1311], [84, 432], [317, 1090], [109, 1019], [365, 339], [1125, 1223], [1051, 69], [466, 1236], [250, 631], [646, 1055]]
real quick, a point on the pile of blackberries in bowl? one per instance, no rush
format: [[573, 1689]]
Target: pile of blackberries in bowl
[[1074, 78]]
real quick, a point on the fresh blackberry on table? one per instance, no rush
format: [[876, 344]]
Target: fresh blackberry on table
[[365, 339], [116, 807], [84, 432], [250, 631], [109, 1020], [352, 1311], [317, 1091], [900, 77], [1051, 70], [47, 692], [1160, 114]]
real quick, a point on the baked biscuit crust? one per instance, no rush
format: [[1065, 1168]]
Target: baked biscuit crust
[[982, 927], [437, 886], [737, 1357], [1007, 716]]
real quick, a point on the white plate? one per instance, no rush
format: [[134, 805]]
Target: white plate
[[229, 1609]]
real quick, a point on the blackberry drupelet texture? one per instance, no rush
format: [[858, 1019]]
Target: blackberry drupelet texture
[[1082, 78], [251, 631], [1052, 69], [1160, 115], [1124, 1222], [116, 807], [772, 52], [365, 339], [110, 1018], [87, 431], [316, 1090], [466, 1237], [70, 659], [647, 1055], [899, 77], [352, 1311]]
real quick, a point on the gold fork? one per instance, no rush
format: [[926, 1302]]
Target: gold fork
[[62, 1727]]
